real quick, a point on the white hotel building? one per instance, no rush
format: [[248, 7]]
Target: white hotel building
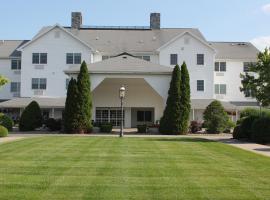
[[141, 58]]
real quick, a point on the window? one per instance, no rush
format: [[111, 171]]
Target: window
[[15, 87], [146, 58], [200, 59], [15, 64], [220, 88], [200, 85], [246, 66], [105, 57], [73, 58], [174, 59], [144, 116], [39, 58], [220, 66], [39, 83], [112, 115], [248, 93]]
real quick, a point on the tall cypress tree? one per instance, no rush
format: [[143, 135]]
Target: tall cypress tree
[[185, 99], [170, 122], [71, 108], [84, 100]]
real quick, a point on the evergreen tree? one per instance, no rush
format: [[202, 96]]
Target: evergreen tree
[[215, 117], [84, 100], [71, 108], [184, 100], [31, 117], [170, 122]]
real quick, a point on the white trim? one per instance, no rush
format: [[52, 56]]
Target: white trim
[[182, 34], [50, 29]]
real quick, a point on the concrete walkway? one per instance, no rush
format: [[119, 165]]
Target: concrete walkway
[[224, 138]]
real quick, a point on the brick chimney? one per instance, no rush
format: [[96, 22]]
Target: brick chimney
[[155, 20], [76, 20]]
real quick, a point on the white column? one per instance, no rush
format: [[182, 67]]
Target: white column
[[193, 114], [52, 114]]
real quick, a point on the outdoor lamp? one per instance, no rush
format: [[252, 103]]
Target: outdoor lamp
[[122, 91]]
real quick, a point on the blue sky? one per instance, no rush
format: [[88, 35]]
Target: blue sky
[[218, 20]]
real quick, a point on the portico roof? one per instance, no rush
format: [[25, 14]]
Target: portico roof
[[123, 64]]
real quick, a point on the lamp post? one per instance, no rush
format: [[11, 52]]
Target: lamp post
[[122, 92]]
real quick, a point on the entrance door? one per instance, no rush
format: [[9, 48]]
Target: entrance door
[[140, 116]]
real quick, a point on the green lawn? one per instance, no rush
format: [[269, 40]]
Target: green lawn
[[130, 168]]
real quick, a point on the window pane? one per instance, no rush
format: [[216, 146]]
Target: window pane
[[200, 59], [19, 64], [148, 116], [222, 89], [140, 116], [216, 88], [35, 58], [43, 58], [200, 85], [77, 58], [246, 66], [14, 87], [217, 66], [223, 66], [14, 64], [42, 83], [35, 83], [105, 57], [174, 60], [69, 58], [147, 58]]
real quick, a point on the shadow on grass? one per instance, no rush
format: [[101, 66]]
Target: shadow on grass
[[263, 149]]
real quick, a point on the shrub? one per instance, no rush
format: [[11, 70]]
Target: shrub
[[31, 117], [230, 125], [170, 121], [106, 128], [3, 131], [53, 124], [246, 125], [216, 120], [142, 128], [261, 130], [237, 134], [195, 126], [6, 121], [252, 111]]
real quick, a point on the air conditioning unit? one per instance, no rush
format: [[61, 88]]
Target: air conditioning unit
[[17, 71], [38, 92]]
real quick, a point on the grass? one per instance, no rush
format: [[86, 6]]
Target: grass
[[130, 168]]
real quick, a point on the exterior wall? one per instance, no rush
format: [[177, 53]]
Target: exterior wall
[[56, 49], [232, 80], [12, 75], [188, 53]]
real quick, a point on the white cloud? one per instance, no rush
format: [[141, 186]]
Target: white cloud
[[261, 42], [266, 8]]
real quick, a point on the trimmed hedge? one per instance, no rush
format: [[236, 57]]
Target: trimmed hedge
[[53, 124], [31, 117], [261, 130], [142, 128], [3, 131], [6, 121], [106, 128]]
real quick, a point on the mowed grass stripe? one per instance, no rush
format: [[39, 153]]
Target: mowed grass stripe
[[130, 168]]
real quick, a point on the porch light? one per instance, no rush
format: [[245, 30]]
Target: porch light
[[122, 92]]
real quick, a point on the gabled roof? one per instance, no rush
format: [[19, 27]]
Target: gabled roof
[[235, 50], [124, 64], [8, 48], [44, 31], [181, 35]]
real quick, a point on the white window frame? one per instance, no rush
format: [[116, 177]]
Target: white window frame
[[203, 86]]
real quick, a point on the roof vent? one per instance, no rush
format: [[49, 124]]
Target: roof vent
[[124, 57], [154, 38], [140, 41], [97, 38]]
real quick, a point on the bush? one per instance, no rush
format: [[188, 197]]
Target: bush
[[6, 121], [261, 130], [246, 125], [106, 128], [252, 111], [3, 131], [216, 120], [237, 134], [142, 128], [195, 126], [31, 117], [53, 124]]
